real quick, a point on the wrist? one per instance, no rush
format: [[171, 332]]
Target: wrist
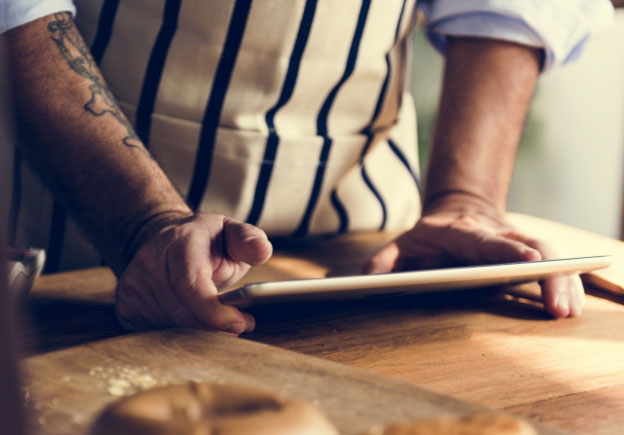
[[150, 226], [462, 202]]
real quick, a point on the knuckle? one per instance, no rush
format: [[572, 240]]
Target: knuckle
[[462, 225], [467, 219]]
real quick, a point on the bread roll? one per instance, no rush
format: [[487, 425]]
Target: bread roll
[[205, 409], [477, 424]]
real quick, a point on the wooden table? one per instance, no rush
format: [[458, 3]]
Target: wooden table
[[495, 349]]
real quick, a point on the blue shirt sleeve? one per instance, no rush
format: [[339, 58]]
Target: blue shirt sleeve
[[560, 27], [14, 13]]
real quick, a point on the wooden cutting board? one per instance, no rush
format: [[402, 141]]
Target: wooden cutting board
[[68, 388]]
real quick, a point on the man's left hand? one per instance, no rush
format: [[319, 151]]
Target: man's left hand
[[450, 235]]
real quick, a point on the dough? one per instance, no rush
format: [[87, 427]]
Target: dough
[[207, 409], [477, 424]]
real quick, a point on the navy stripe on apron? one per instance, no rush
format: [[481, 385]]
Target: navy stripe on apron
[[210, 122], [368, 132], [403, 159], [59, 216], [154, 70], [287, 89], [341, 211], [372, 188], [321, 123], [104, 29], [16, 195]]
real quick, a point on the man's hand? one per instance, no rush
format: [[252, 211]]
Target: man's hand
[[453, 233], [174, 277], [485, 97], [170, 262]]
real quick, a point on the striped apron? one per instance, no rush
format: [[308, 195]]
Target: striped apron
[[292, 115]]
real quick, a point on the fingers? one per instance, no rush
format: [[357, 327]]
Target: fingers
[[476, 245], [135, 306], [563, 295], [459, 241], [190, 273], [175, 311], [384, 261], [246, 243], [171, 279], [141, 304], [546, 250]]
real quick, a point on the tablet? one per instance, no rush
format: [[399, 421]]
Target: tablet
[[402, 283]]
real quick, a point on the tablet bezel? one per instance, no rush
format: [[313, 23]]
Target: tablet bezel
[[412, 282]]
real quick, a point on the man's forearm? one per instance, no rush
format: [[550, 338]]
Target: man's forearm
[[487, 90], [81, 142]]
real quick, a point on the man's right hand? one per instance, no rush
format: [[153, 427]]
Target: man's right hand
[[174, 277]]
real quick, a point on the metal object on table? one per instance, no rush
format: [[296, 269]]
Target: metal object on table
[[24, 266]]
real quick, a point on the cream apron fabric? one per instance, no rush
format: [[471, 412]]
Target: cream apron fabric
[[289, 114]]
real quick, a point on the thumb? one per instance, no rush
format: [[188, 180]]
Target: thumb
[[246, 243]]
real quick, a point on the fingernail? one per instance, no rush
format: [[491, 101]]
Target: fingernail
[[578, 299], [562, 302], [235, 328], [250, 322], [261, 237]]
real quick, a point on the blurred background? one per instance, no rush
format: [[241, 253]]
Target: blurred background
[[571, 157]]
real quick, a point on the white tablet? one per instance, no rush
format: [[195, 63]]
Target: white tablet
[[400, 283]]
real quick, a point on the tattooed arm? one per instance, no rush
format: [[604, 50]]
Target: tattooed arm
[[79, 139], [77, 56], [170, 261]]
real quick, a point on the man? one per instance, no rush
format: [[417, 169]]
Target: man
[[289, 115]]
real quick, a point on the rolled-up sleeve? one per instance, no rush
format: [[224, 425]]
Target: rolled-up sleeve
[[14, 13], [560, 27]]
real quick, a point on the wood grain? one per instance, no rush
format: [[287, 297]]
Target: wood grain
[[498, 349], [69, 388], [68, 309], [573, 411]]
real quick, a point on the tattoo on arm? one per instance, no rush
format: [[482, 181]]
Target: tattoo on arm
[[79, 59]]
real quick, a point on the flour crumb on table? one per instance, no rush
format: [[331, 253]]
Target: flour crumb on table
[[119, 387], [123, 381]]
